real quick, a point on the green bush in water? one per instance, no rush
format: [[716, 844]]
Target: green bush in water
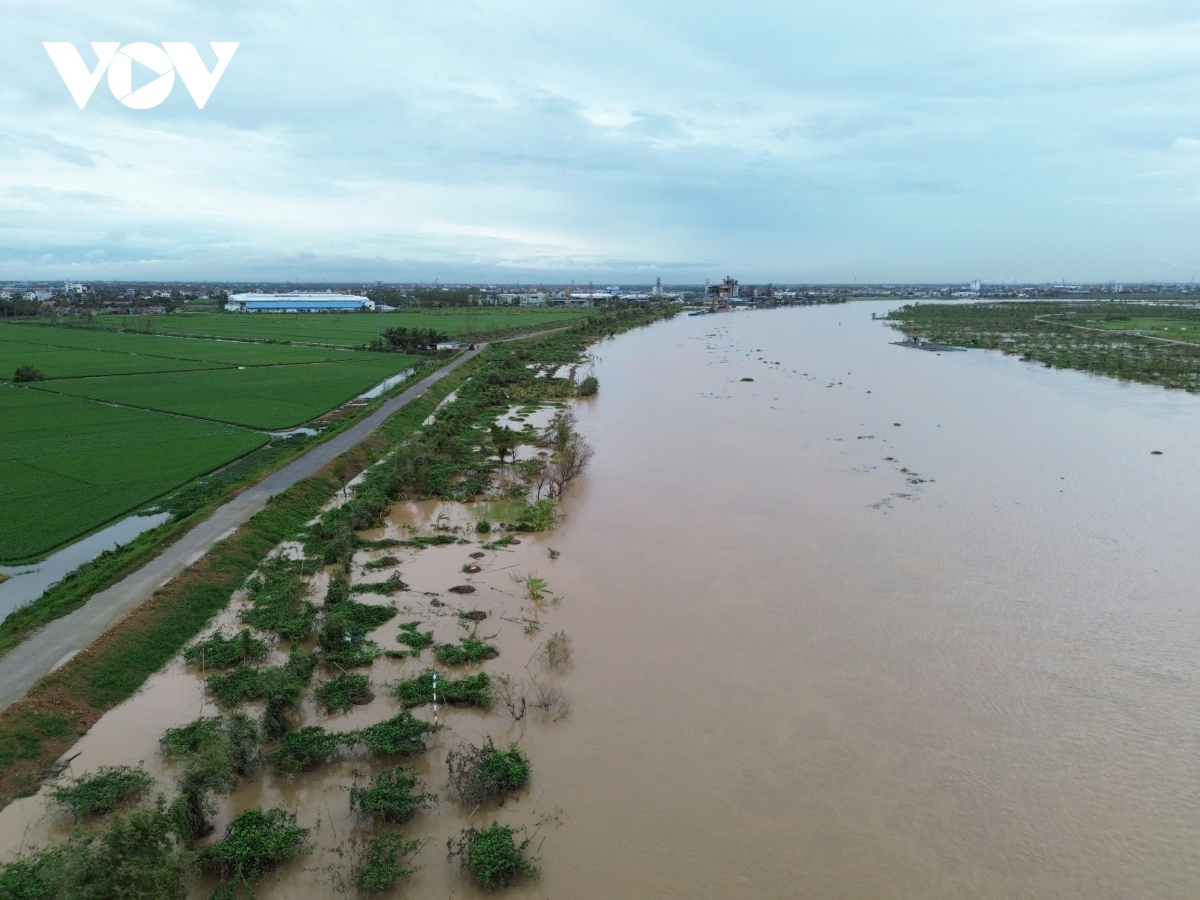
[[467, 650], [343, 692], [103, 791], [382, 861], [220, 652], [130, 856], [254, 843], [473, 690], [402, 735], [493, 856], [394, 796]]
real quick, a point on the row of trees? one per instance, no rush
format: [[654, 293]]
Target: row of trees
[[416, 339]]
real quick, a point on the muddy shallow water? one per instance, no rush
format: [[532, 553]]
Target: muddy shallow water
[[804, 669]]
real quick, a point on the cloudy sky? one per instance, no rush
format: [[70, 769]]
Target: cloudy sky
[[522, 140]]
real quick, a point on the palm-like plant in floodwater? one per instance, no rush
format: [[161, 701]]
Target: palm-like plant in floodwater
[[536, 587]]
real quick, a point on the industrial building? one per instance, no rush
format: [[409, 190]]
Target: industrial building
[[298, 301]]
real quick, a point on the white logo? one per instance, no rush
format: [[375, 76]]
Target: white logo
[[165, 61]]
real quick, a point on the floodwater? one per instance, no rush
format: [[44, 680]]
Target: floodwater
[[26, 583], [878, 623]]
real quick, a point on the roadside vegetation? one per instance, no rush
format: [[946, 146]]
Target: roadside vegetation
[[1148, 343], [210, 757]]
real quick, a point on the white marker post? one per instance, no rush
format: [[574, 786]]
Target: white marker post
[[435, 698]]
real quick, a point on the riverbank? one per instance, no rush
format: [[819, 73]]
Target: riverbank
[[1126, 341], [74, 698]]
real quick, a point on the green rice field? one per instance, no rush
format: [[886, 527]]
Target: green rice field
[[69, 465], [348, 329], [122, 419], [265, 397]]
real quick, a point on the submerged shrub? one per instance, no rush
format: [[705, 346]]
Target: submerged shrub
[[278, 596], [236, 687], [401, 735], [492, 855], [339, 589], [588, 387], [219, 652], [473, 690], [130, 856], [479, 774], [416, 640], [305, 748], [467, 650], [236, 735], [103, 791], [341, 637], [254, 843], [393, 796], [383, 861], [556, 653], [343, 692]]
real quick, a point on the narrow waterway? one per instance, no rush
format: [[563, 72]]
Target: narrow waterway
[[877, 623]]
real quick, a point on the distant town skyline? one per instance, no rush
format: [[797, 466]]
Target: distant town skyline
[[538, 142]]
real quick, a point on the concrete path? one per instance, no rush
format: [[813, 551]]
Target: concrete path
[[47, 649]]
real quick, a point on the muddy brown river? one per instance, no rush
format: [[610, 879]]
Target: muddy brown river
[[877, 623]]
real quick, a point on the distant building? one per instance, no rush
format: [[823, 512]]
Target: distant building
[[723, 291], [298, 301]]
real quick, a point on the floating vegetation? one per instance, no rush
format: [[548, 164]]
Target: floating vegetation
[[219, 652], [343, 692], [473, 690], [421, 542], [499, 544], [392, 586], [492, 855], [393, 796], [102, 792]]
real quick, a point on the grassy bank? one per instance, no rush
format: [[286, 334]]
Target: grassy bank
[[64, 705], [1117, 340]]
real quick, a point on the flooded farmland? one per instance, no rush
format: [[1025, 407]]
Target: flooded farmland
[[875, 623]]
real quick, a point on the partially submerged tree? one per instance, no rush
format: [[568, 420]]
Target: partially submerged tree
[[570, 454]]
